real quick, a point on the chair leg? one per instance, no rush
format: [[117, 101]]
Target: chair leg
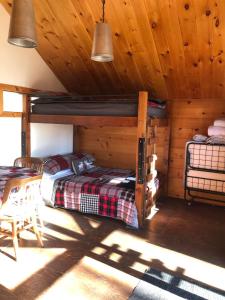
[[36, 231], [15, 239]]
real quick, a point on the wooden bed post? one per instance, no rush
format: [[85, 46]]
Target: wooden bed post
[[140, 190], [26, 126], [1, 102]]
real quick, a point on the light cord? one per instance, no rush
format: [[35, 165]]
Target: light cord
[[103, 11]]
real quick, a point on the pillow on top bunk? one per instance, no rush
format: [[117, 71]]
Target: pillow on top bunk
[[57, 163]]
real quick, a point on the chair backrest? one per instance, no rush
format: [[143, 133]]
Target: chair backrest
[[18, 183], [29, 162]]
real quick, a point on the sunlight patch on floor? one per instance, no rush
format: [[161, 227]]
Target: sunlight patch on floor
[[91, 279], [62, 217], [145, 254], [31, 260]]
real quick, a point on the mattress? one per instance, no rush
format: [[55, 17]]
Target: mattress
[[206, 181], [47, 185], [206, 156], [102, 191], [93, 108]]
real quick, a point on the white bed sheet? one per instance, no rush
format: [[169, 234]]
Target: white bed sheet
[[47, 185]]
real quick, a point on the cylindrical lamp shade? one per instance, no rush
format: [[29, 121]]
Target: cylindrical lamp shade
[[22, 31], [102, 49]]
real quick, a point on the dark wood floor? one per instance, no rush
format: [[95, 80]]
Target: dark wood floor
[[87, 257]]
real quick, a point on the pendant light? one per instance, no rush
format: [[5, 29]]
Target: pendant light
[[22, 31], [102, 49]]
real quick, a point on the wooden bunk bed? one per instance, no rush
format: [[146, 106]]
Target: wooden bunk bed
[[146, 140]]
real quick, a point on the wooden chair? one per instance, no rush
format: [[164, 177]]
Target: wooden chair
[[34, 163], [29, 162], [19, 208]]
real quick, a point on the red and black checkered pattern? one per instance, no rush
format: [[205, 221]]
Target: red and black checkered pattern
[[97, 191], [59, 194], [108, 206], [7, 173], [56, 163]]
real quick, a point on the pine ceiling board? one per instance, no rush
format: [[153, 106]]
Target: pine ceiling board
[[170, 24], [83, 28], [67, 51], [118, 64], [90, 18], [204, 21], [60, 67], [218, 41], [147, 57], [122, 46], [159, 31], [187, 20], [173, 48]]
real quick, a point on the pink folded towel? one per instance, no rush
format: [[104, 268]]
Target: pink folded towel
[[216, 130], [219, 122]]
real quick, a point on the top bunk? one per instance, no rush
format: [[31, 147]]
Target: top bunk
[[100, 110]]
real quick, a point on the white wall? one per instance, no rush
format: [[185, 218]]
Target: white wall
[[25, 67], [50, 144]]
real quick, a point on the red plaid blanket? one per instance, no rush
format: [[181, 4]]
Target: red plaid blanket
[[101, 191], [7, 173]]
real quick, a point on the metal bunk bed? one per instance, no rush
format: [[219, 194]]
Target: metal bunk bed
[[204, 172]]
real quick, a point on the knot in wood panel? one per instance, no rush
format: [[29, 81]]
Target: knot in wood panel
[[186, 6], [154, 25], [208, 12], [217, 23]]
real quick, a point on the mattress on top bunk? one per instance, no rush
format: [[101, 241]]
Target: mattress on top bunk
[[93, 108], [207, 181], [206, 156]]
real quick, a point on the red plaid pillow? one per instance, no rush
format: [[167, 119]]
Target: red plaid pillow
[[57, 163]]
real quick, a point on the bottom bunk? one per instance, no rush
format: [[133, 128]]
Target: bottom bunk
[[91, 189]]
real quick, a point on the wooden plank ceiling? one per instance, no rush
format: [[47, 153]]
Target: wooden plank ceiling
[[173, 48]]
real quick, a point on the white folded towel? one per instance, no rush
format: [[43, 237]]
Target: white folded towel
[[219, 122], [216, 130]]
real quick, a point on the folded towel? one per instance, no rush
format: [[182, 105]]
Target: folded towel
[[199, 138], [216, 130], [219, 122]]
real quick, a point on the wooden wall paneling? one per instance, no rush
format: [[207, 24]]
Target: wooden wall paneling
[[188, 26], [123, 45], [165, 28], [210, 26], [75, 25], [135, 15], [204, 22], [173, 48], [113, 147], [65, 53], [89, 15], [218, 56]]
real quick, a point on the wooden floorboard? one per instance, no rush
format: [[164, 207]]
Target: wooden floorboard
[[87, 257]]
